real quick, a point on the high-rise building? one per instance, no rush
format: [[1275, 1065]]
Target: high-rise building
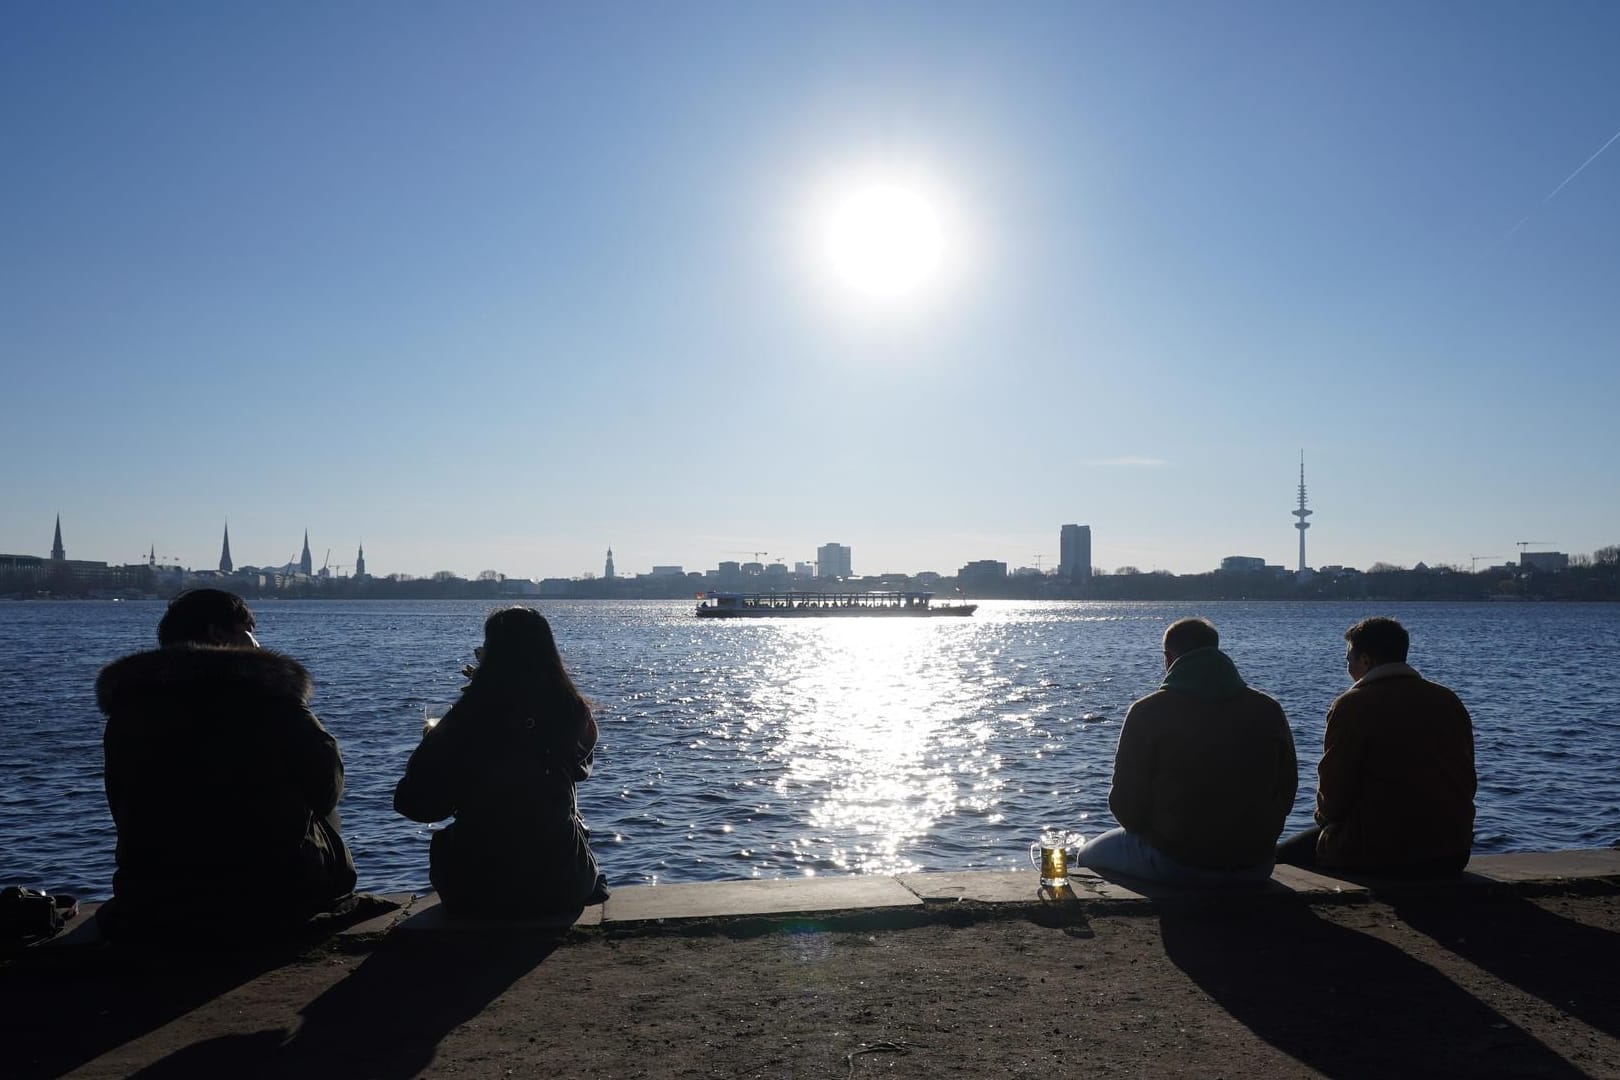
[[225, 564], [306, 562], [1074, 553], [980, 576], [832, 561], [360, 562], [1302, 513], [58, 552], [607, 571]]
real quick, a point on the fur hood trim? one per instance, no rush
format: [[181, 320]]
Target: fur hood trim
[[181, 668]]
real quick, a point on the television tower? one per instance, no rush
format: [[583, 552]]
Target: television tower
[[1302, 513]]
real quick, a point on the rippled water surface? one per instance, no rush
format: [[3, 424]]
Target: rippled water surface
[[786, 747]]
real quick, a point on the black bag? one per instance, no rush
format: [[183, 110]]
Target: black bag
[[30, 915]]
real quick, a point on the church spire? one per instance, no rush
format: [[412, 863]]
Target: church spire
[[58, 553], [225, 564], [607, 571], [360, 562], [151, 558], [306, 563]]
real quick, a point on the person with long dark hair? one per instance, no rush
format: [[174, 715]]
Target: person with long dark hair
[[503, 762]]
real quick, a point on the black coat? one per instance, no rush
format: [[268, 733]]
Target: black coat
[[223, 786], [517, 846]]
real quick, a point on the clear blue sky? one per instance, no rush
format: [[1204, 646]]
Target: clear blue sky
[[496, 285]]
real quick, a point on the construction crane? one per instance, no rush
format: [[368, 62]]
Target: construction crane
[[1526, 543], [1473, 562]]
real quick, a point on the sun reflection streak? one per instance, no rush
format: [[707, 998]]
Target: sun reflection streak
[[873, 716]]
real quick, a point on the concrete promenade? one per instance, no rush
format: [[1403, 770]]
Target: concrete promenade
[[1511, 970]]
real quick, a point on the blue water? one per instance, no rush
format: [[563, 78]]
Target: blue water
[[781, 748]]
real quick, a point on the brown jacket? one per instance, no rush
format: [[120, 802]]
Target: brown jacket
[[1205, 770], [1396, 782]]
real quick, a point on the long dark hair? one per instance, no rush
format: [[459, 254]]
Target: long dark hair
[[521, 675]]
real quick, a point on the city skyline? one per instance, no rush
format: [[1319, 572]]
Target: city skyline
[[1074, 542], [493, 289]]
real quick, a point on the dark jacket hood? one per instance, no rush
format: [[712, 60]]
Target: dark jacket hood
[[187, 668], [1207, 674]]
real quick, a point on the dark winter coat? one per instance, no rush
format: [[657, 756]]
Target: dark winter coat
[[223, 787], [1395, 787], [517, 846], [1205, 770]]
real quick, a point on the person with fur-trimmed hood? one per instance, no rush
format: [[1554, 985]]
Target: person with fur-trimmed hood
[[222, 783]]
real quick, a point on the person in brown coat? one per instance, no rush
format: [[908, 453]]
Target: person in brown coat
[[1395, 787], [1204, 775]]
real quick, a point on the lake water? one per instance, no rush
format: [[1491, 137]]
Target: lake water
[[735, 749]]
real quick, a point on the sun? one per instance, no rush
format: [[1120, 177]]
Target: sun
[[884, 239]]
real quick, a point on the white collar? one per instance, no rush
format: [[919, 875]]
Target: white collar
[[1396, 669]]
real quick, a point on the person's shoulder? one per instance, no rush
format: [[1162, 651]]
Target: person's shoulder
[[1349, 702], [1442, 692], [1156, 707], [1148, 702], [1262, 701], [181, 669]]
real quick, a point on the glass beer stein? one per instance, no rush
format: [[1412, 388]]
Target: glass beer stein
[[1051, 854]]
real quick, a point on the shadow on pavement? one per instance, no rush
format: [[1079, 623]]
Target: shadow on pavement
[[1344, 1003], [56, 1013], [383, 1021], [1573, 967]]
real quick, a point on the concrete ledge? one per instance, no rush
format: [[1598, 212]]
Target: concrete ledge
[[976, 886], [793, 896], [1313, 883], [1547, 865], [381, 924], [426, 914], [921, 893], [81, 930]]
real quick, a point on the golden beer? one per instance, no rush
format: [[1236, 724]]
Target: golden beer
[[1051, 854], [1054, 866]]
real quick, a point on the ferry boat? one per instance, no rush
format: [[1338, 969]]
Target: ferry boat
[[817, 605]]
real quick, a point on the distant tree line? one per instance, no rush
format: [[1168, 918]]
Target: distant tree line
[[1588, 577]]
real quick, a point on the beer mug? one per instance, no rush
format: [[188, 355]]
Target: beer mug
[[432, 714], [1051, 855]]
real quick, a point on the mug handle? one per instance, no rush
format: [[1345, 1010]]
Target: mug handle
[[1035, 854]]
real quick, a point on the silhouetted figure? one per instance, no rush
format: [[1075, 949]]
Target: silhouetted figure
[[1204, 775], [222, 783], [503, 762], [1395, 786]]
